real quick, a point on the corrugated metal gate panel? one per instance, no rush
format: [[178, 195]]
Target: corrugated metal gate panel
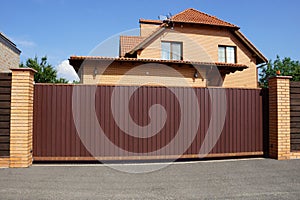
[[56, 138], [295, 115]]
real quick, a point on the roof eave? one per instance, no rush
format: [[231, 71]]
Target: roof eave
[[76, 62], [7, 42], [147, 40], [207, 24], [261, 58], [149, 21]]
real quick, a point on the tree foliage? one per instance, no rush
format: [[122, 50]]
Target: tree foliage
[[286, 66], [45, 73]]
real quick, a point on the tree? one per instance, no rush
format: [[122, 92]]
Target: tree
[[45, 73], [286, 67], [75, 82]]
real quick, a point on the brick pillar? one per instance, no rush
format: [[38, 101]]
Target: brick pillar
[[21, 119], [279, 117]]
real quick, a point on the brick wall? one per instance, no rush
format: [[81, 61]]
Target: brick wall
[[279, 117], [295, 155], [8, 58], [21, 117]]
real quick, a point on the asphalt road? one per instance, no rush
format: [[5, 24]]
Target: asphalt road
[[243, 179]]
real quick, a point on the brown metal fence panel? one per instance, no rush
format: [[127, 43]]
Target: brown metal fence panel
[[54, 132], [295, 115], [5, 94], [57, 135]]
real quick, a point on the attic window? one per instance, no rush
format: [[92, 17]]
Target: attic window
[[171, 50], [227, 54]]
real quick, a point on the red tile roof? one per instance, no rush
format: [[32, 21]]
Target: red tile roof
[[76, 61], [193, 16], [129, 42]]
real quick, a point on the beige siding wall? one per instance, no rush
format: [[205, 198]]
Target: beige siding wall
[[145, 74], [8, 58], [202, 45], [147, 29]]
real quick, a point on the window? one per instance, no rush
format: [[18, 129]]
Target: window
[[171, 50], [227, 54]]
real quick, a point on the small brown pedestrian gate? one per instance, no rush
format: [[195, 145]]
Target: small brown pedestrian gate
[[65, 129], [5, 93], [295, 115]]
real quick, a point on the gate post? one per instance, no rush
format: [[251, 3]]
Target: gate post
[[279, 117], [21, 119]]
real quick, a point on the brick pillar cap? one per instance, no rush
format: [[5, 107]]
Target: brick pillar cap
[[280, 77], [23, 69]]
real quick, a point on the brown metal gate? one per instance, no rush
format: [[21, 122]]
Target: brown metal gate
[[5, 93], [295, 115], [55, 136]]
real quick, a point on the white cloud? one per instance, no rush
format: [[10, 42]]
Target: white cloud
[[22, 41], [65, 70], [25, 43]]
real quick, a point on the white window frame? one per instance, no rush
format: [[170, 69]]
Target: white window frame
[[170, 51], [226, 57]]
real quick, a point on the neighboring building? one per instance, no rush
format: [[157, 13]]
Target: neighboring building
[[9, 54], [188, 40]]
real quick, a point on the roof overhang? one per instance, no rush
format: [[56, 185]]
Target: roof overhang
[[260, 57], [7, 42], [160, 22], [150, 21], [224, 68], [202, 24], [141, 45]]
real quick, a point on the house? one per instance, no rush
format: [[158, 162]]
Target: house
[[190, 47], [9, 54]]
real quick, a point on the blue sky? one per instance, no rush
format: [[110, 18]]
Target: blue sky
[[61, 28]]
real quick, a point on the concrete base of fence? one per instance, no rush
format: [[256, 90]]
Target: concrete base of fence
[[279, 117], [21, 118]]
